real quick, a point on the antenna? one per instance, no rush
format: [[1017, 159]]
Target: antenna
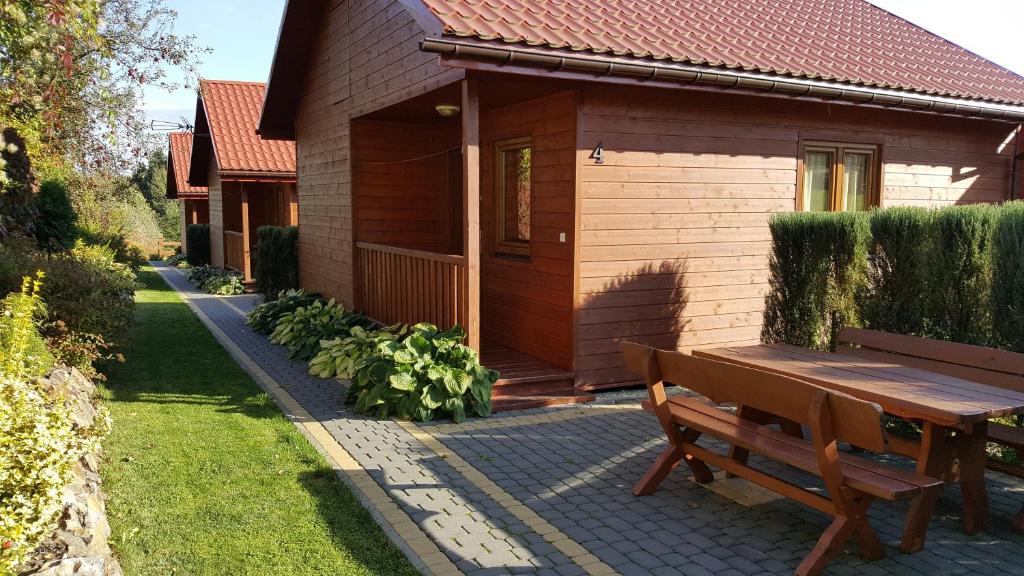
[[168, 126]]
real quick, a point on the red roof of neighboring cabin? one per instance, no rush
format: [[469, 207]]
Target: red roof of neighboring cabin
[[178, 159], [839, 40], [232, 111]]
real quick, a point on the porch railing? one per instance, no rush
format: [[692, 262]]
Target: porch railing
[[400, 285], [234, 251]]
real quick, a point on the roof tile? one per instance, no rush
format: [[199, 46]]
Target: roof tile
[[233, 111], [181, 157], [849, 41]]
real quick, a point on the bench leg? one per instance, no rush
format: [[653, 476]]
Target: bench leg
[[667, 462], [920, 514], [838, 534]]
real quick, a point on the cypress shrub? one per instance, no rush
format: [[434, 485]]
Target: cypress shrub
[[56, 223], [1008, 278], [817, 269], [960, 274], [277, 260], [197, 244], [898, 271]]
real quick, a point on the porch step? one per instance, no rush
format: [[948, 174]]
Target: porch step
[[528, 382], [509, 403]]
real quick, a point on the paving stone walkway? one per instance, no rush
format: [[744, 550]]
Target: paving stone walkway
[[547, 491]]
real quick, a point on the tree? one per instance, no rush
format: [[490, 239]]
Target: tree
[[150, 177], [72, 72], [55, 223]]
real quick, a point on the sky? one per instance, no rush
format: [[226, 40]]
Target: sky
[[242, 35]]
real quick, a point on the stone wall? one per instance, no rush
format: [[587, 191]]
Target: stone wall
[[80, 544]]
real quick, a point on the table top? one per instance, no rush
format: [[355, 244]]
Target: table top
[[898, 389]]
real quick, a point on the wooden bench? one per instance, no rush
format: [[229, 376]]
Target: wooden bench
[[997, 368], [852, 483]]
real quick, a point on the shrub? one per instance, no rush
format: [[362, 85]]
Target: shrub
[[89, 291], [338, 357], [960, 279], [55, 221], [224, 284], [197, 244], [176, 259], [264, 317], [277, 259], [899, 270], [200, 274], [1008, 278], [81, 350], [817, 267], [302, 330], [427, 375], [23, 352], [124, 252]]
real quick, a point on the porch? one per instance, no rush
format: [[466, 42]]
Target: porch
[[463, 214], [247, 206]]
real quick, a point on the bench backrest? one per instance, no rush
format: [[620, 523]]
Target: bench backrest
[[976, 363], [852, 420]]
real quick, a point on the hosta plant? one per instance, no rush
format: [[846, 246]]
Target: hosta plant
[[338, 357], [200, 274], [264, 317], [302, 330], [224, 284], [430, 374]]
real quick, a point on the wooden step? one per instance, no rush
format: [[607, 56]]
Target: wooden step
[[529, 382], [509, 403]]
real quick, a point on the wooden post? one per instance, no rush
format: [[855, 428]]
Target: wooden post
[[246, 265], [471, 208]]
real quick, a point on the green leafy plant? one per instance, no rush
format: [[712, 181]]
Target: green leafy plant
[[1008, 278], [264, 317], [197, 244], [23, 352], [302, 330], [79, 349], [223, 284], [176, 259], [277, 259], [338, 357], [200, 274], [427, 375]]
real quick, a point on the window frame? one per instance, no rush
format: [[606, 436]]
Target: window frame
[[502, 246], [839, 151]]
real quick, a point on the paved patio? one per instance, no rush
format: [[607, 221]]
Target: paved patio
[[547, 491]]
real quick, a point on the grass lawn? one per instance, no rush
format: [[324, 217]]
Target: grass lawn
[[204, 474]]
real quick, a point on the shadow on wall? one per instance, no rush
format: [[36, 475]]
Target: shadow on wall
[[645, 305]]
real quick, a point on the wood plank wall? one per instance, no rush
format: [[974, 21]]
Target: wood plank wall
[[403, 204], [527, 305], [674, 241], [216, 216], [367, 57]]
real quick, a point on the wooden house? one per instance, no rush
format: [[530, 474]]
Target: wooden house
[[250, 181], [561, 176], [193, 201]]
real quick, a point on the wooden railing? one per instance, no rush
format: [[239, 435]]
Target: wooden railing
[[400, 285], [234, 251]]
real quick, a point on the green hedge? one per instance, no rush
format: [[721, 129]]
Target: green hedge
[[899, 270], [277, 260], [954, 273], [1008, 278], [197, 244], [818, 262]]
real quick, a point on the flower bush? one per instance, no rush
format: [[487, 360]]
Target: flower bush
[[429, 374]]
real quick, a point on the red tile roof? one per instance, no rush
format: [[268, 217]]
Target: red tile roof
[[848, 41], [232, 111], [179, 159]]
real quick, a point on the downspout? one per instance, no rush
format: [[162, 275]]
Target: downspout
[[1015, 164]]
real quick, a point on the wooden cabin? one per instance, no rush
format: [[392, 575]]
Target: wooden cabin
[[561, 177], [250, 181], [193, 201]]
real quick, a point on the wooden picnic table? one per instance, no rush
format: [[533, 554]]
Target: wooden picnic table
[[954, 412]]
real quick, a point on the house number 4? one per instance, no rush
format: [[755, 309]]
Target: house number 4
[[598, 153]]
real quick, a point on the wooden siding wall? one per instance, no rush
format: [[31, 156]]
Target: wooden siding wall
[[216, 217], [403, 204], [183, 216], [674, 241], [367, 57], [527, 305]]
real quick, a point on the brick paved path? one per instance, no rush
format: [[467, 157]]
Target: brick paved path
[[547, 491]]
